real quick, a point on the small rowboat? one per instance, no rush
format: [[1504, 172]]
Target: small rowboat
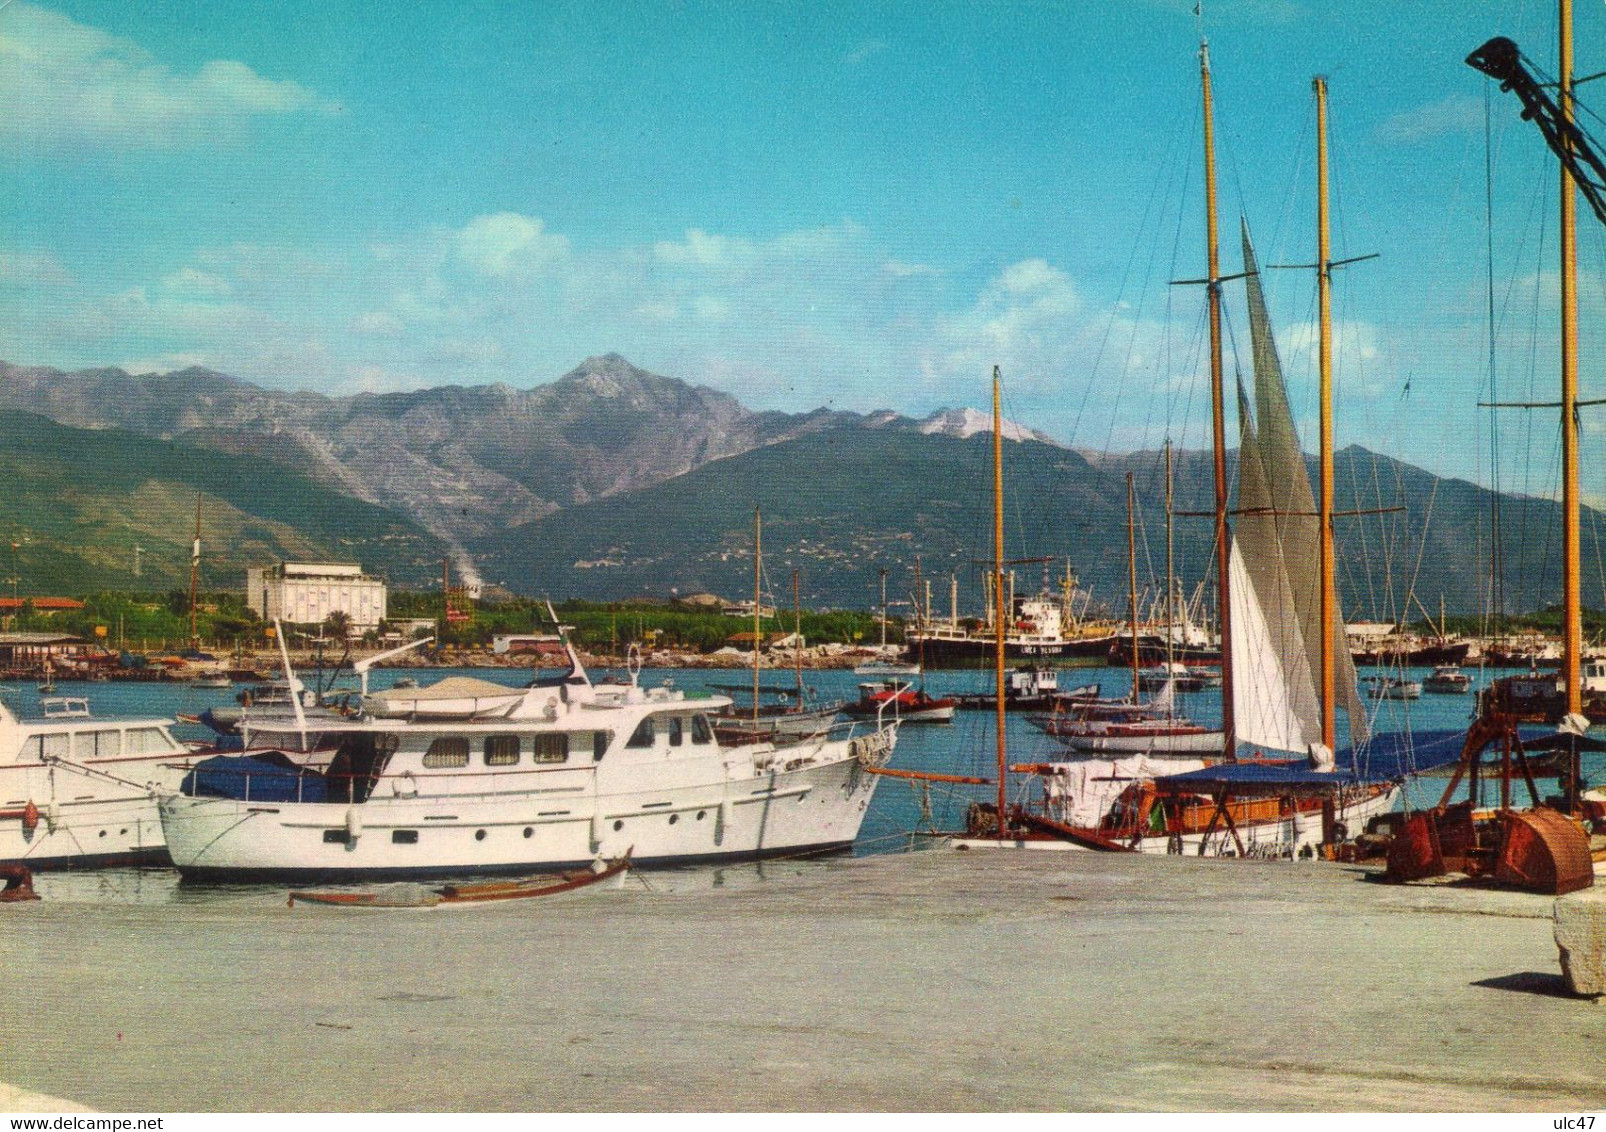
[[403, 896]]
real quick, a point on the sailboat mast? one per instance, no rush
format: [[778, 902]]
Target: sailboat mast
[[1324, 288], [758, 558], [797, 634], [1570, 541], [1218, 414], [1170, 571], [1132, 577], [883, 612], [195, 575], [999, 627]]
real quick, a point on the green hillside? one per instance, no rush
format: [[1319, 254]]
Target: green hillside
[[843, 504], [77, 502]]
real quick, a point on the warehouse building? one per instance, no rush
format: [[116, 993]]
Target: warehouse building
[[305, 593]]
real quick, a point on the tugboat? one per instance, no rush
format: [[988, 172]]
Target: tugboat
[[1030, 688]]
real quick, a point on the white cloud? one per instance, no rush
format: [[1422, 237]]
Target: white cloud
[[1453, 114], [190, 281], [378, 323], [32, 269], [506, 241], [71, 86], [1023, 320]]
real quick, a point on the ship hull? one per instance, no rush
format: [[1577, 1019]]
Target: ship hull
[[702, 816], [950, 652]]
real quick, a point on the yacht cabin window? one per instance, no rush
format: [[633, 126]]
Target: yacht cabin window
[[677, 731], [447, 752], [552, 747], [502, 750], [98, 744], [644, 734], [700, 731], [146, 741]]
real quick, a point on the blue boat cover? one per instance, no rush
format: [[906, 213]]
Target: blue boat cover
[[1389, 757], [267, 777]]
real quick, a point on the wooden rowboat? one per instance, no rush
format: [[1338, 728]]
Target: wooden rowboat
[[550, 884]]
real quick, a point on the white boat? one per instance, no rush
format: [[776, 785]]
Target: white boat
[[568, 772], [1143, 736], [1446, 679], [212, 679], [77, 791], [1393, 688], [887, 668]]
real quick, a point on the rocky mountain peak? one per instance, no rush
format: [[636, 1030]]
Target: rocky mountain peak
[[962, 423]]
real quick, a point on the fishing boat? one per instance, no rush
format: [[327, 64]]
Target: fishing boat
[[569, 772], [78, 791], [1446, 680], [1031, 687], [903, 700], [472, 895]]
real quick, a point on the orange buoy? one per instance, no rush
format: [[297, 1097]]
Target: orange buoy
[[30, 816]]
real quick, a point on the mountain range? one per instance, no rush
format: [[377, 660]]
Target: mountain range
[[612, 482]]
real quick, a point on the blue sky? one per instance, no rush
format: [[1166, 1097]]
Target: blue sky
[[860, 205]]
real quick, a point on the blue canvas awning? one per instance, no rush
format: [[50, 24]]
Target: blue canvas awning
[[1386, 758]]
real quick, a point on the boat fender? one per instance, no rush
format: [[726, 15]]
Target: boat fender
[[353, 823], [30, 817], [52, 816]]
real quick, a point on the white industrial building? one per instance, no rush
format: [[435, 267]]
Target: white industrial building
[[305, 593]]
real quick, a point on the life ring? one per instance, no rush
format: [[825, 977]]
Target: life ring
[[30, 817]]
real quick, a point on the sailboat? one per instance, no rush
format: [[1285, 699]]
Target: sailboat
[[1151, 729], [774, 714], [1274, 786]]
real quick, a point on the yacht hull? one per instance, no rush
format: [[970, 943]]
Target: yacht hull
[[82, 819], [705, 817]]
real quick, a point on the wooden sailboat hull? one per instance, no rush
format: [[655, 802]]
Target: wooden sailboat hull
[[480, 894]]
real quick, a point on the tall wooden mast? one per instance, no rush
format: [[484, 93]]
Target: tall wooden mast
[[1324, 289], [1570, 542], [1132, 577], [1218, 416], [1170, 569], [999, 623]]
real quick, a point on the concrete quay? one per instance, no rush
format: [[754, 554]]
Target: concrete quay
[[931, 981]]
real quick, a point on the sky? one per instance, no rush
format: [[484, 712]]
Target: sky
[[858, 205]]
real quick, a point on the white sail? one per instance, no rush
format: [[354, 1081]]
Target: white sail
[[1272, 694], [1279, 536]]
